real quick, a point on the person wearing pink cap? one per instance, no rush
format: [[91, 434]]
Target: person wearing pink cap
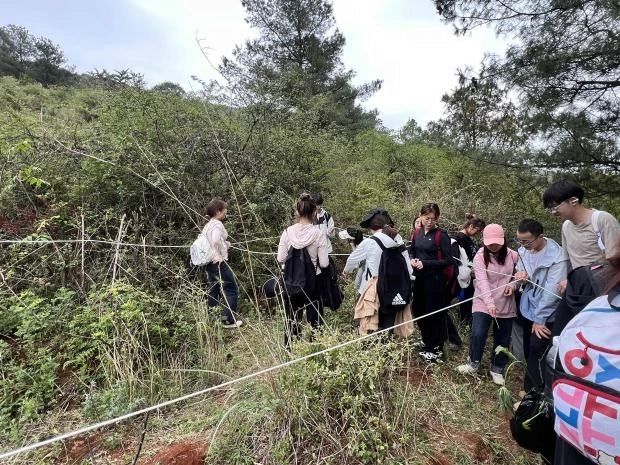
[[494, 302]]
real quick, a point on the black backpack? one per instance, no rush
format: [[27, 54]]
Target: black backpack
[[299, 273], [532, 424], [331, 293], [394, 282]]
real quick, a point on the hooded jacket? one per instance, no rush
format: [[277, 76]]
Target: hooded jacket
[[538, 305], [300, 236], [370, 251]]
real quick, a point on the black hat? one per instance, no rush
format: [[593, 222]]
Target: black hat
[[371, 214]]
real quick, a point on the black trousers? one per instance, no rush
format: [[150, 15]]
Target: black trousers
[[429, 295], [535, 349], [294, 308]]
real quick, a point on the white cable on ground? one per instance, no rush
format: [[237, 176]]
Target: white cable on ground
[[112, 421]]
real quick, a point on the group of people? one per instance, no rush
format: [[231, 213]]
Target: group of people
[[526, 294]]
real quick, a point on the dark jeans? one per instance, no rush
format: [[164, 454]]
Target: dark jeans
[[223, 289], [535, 350], [501, 337], [294, 308]]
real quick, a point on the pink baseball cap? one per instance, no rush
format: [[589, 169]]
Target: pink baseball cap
[[493, 234]]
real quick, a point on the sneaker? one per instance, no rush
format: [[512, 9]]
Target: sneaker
[[430, 357], [498, 378], [232, 324], [467, 369]]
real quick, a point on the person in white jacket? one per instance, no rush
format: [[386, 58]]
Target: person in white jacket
[[369, 253], [223, 288], [324, 221], [304, 235]]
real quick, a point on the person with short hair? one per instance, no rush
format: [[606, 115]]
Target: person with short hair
[[542, 261], [325, 221], [589, 236], [223, 287]]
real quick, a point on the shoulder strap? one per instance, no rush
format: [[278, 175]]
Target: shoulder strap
[[438, 244], [597, 231], [378, 241], [414, 234]]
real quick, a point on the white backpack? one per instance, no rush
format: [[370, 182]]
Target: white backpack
[[201, 251], [586, 396], [464, 266]]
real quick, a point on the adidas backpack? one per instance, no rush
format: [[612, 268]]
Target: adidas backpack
[[299, 273], [393, 280], [586, 395]]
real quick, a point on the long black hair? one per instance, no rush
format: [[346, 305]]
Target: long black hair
[[500, 256]]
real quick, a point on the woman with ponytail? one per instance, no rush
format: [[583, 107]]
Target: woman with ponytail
[[304, 235]]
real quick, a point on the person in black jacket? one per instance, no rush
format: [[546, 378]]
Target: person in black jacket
[[464, 238], [430, 254]]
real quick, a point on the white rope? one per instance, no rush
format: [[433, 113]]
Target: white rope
[[100, 241], [471, 265], [121, 418]]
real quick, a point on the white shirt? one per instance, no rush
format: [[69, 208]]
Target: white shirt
[[370, 251]]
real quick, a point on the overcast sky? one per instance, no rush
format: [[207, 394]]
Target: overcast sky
[[402, 42]]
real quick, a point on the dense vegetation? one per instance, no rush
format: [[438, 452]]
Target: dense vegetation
[[90, 329]]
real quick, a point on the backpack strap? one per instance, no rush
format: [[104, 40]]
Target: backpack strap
[[438, 244], [597, 231], [378, 241], [414, 234], [383, 249]]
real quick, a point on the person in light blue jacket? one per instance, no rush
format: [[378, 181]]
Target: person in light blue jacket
[[542, 265]]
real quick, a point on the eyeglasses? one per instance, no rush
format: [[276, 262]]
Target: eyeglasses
[[525, 243], [554, 209]]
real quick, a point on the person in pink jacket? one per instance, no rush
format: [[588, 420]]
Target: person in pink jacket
[[304, 234], [494, 301]]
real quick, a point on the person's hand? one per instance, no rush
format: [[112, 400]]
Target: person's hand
[[493, 312], [417, 264], [508, 291], [521, 276], [562, 286], [228, 244], [541, 331]]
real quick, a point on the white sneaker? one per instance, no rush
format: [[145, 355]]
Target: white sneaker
[[498, 378], [430, 357], [235, 324], [467, 369]]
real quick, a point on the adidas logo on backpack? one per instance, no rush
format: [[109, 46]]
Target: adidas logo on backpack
[[393, 280]]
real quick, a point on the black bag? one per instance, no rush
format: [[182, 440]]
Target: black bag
[[331, 292], [272, 287], [532, 424], [299, 273], [394, 282]]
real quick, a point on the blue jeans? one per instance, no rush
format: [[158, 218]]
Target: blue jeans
[[223, 289], [501, 337]]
